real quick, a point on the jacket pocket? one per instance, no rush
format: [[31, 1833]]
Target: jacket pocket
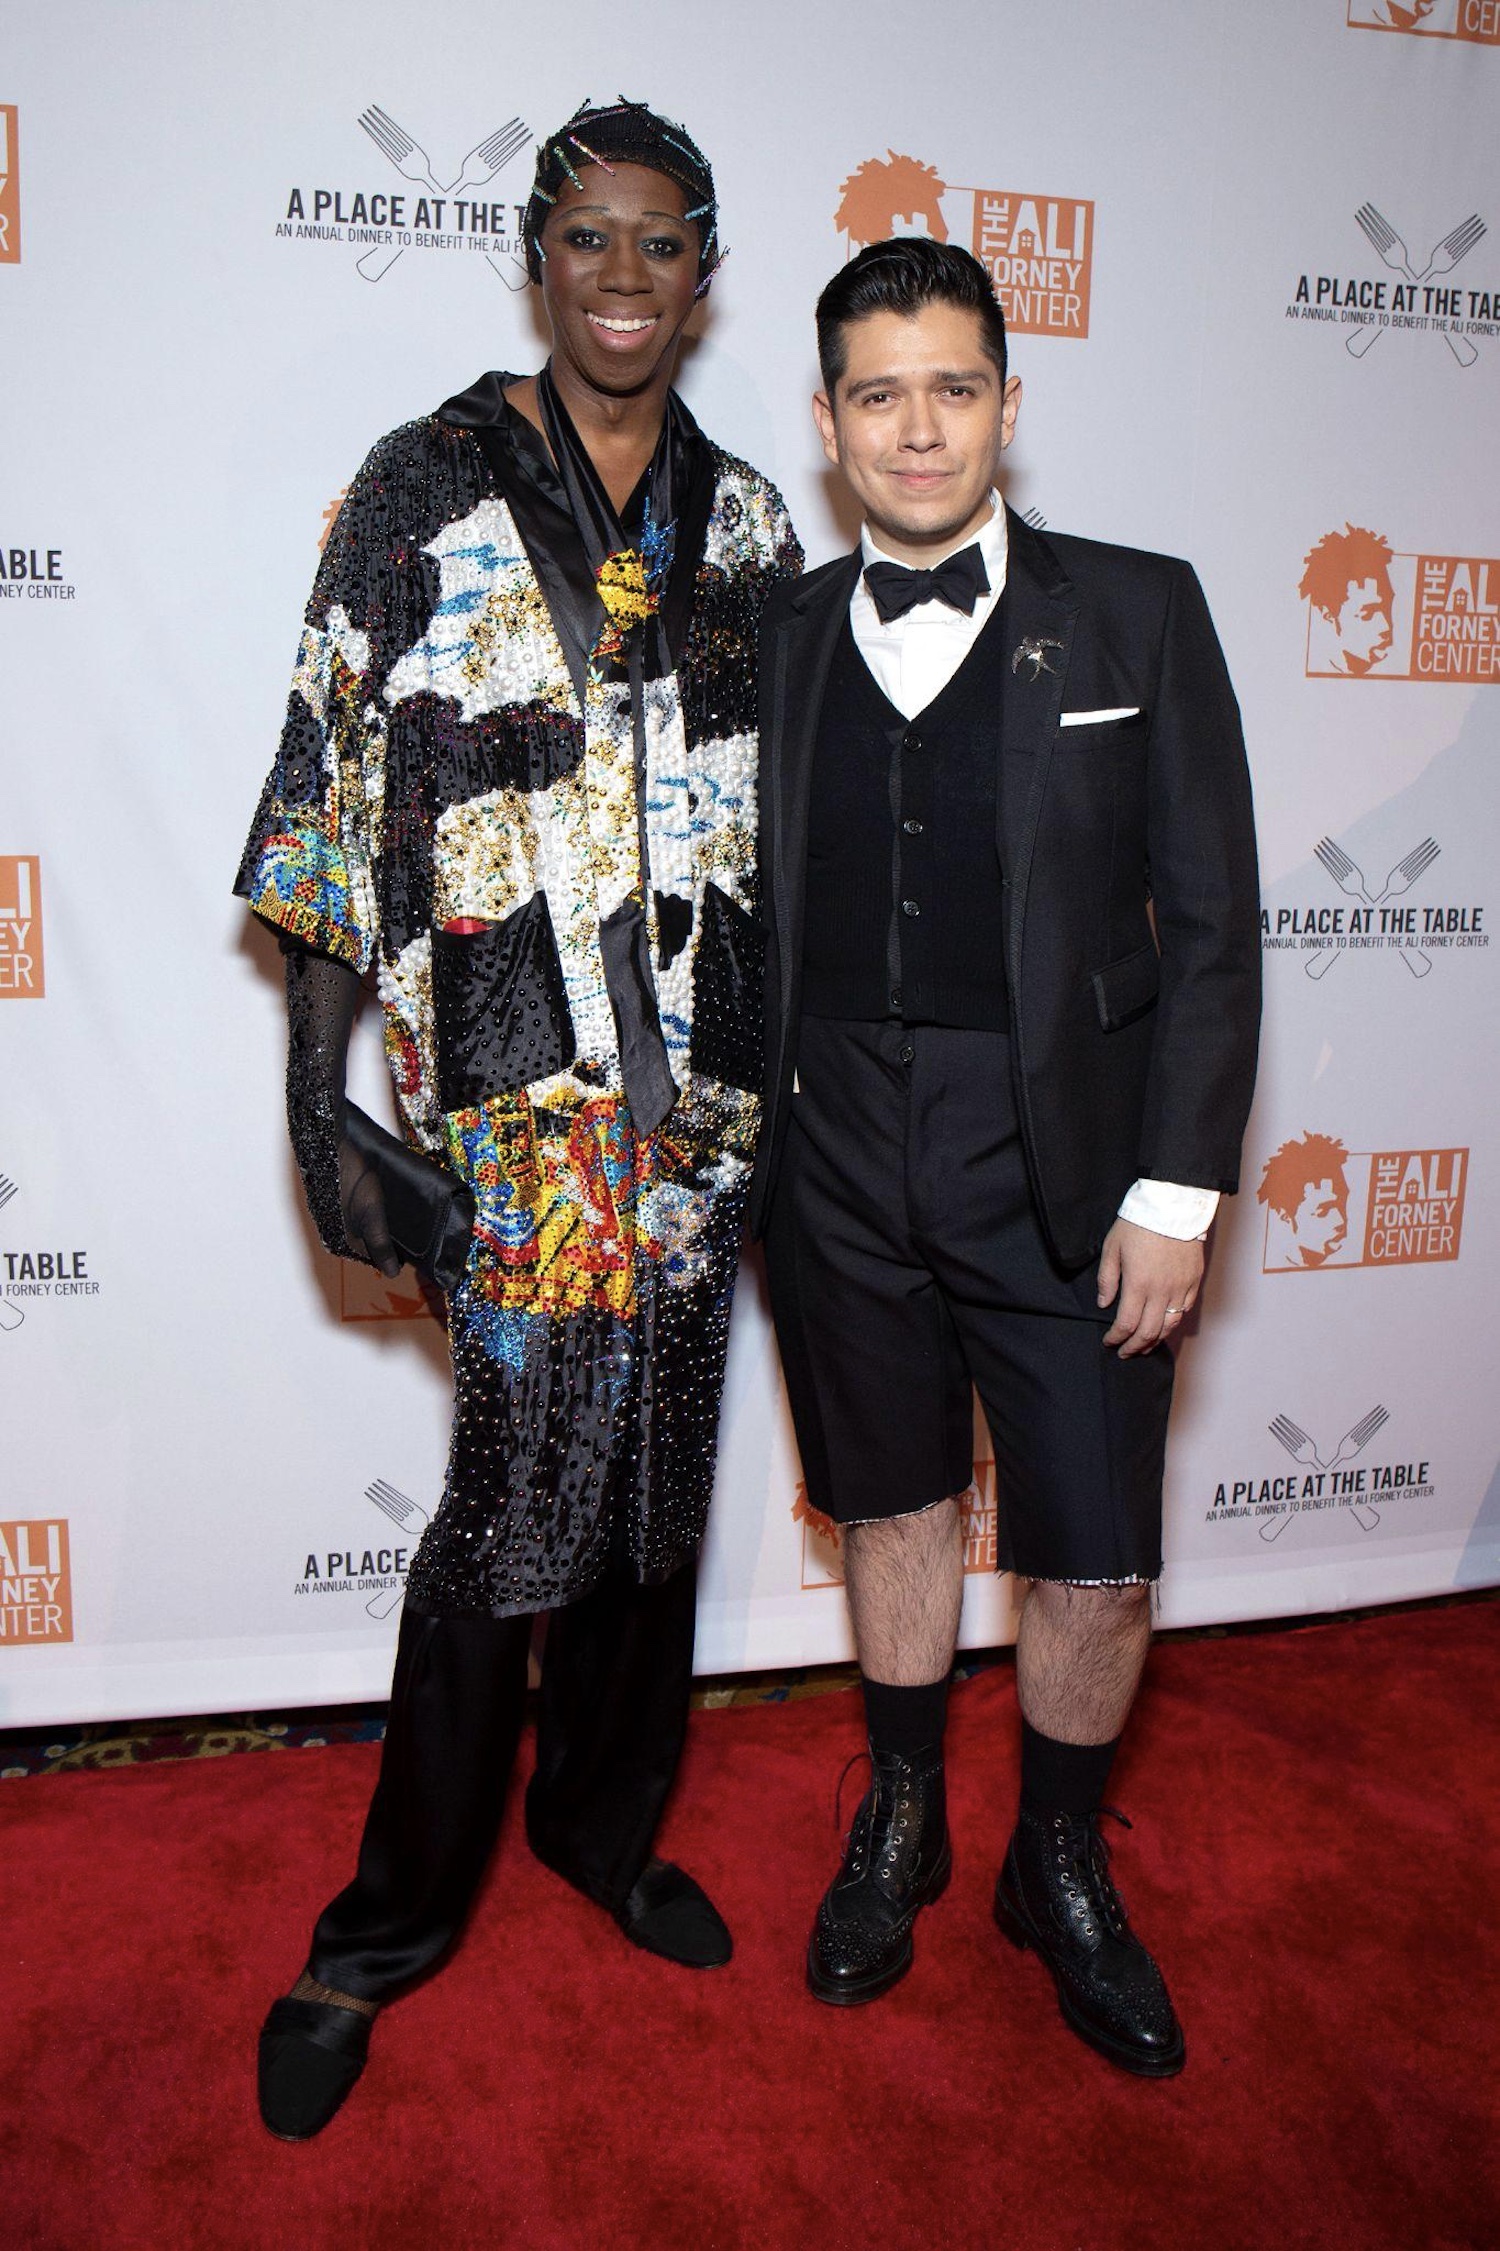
[[1127, 988], [500, 1006], [1091, 724], [729, 966]]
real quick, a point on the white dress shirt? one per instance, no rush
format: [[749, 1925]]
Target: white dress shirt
[[913, 659]]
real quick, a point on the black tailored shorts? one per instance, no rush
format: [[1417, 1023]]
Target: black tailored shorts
[[908, 1269]]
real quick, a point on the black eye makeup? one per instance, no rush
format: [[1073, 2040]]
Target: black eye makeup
[[590, 240]]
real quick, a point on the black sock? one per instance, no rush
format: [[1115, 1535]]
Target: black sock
[[907, 1721], [1063, 1777]]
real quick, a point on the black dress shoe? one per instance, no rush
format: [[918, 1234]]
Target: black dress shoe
[[311, 2054], [1055, 1893], [668, 1914], [896, 1862]]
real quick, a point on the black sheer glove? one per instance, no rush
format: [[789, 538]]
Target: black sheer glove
[[343, 1193]]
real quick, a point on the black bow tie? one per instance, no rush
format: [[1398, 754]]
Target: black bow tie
[[959, 582]]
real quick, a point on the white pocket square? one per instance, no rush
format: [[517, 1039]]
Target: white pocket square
[[1097, 718]]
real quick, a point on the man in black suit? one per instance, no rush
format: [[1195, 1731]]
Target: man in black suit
[[1013, 995]]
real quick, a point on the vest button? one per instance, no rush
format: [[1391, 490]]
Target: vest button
[[911, 740], [912, 828], [896, 996], [910, 907]]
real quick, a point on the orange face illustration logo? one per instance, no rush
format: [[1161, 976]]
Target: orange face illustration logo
[[822, 1544], [888, 196], [1307, 1186], [1347, 579], [331, 517]]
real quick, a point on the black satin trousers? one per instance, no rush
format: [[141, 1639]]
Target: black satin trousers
[[612, 1717]]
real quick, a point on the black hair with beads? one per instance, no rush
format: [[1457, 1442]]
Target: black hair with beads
[[623, 132]]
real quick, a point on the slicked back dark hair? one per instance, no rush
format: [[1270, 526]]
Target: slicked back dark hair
[[902, 276]]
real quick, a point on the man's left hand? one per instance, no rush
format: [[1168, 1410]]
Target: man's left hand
[[1156, 1280]]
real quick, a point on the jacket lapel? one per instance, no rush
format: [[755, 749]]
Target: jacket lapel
[[800, 656], [1042, 607]]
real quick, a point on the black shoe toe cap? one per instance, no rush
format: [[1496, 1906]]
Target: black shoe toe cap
[[670, 1915], [311, 2056]]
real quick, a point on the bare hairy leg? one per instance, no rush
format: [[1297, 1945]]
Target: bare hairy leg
[[905, 1580], [1079, 1654]]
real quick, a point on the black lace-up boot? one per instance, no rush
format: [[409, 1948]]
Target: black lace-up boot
[[1055, 1893], [896, 1862]]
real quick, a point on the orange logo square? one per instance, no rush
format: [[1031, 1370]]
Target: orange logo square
[[10, 187], [1416, 1207], [1039, 252], [1456, 629], [20, 927], [981, 1521], [1478, 21], [36, 1581]]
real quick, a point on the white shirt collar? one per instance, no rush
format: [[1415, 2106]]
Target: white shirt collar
[[991, 538]]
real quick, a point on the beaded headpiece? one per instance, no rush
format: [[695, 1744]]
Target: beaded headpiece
[[624, 133]]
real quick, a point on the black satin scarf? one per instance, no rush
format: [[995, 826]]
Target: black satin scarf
[[569, 526], [533, 489]]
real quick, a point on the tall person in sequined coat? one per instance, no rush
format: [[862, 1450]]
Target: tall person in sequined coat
[[517, 782]]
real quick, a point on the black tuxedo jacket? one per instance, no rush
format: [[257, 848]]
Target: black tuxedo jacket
[[1127, 849]]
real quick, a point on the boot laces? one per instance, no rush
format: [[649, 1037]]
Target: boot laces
[[854, 1852], [861, 1848], [838, 1802], [1083, 1868]]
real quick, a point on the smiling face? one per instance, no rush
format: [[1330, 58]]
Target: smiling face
[[620, 272], [917, 423]]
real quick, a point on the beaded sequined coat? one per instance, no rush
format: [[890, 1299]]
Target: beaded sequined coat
[[448, 809]]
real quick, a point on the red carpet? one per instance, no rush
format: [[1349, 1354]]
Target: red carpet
[[1313, 1859]]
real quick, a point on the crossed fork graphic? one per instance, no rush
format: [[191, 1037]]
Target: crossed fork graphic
[[1303, 1450], [408, 1516], [1391, 251], [11, 1315], [411, 160], [1350, 880]]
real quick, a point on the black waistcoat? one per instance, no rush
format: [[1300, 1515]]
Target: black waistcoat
[[904, 902]]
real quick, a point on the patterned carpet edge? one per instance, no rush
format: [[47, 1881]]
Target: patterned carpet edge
[[25, 1752]]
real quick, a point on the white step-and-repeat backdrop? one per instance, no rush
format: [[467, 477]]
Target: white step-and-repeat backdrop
[[1251, 259]]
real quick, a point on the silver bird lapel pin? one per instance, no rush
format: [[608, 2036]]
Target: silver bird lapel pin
[[1033, 651]]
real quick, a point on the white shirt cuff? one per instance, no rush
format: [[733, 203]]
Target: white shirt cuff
[[1167, 1209]]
